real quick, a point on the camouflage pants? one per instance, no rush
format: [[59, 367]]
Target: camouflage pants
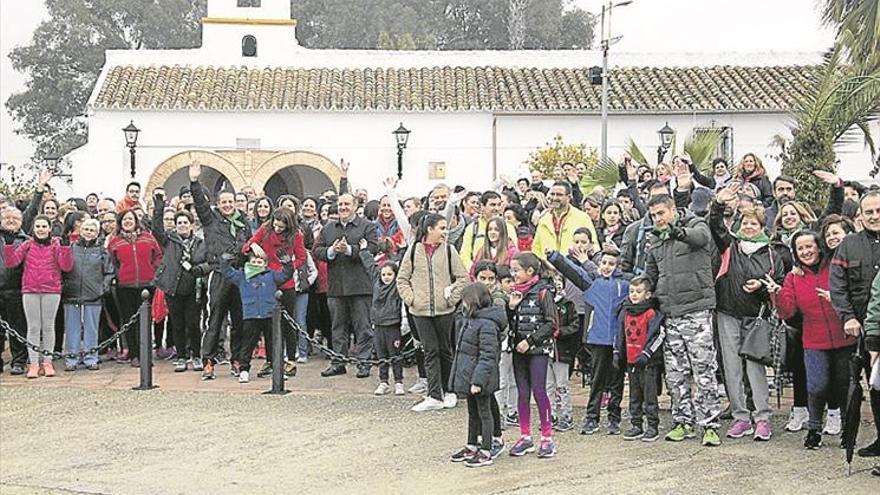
[[689, 354]]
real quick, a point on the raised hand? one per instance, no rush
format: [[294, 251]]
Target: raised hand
[[344, 165], [827, 177], [258, 251], [45, 177], [390, 183], [728, 192], [195, 171]]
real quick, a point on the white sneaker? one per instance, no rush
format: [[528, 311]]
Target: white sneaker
[[450, 400], [420, 387], [429, 404], [797, 419], [382, 389], [832, 422], [244, 377], [398, 389]]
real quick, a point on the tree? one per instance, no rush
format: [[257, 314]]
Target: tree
[[65, 56], [556, 152], [858, 28], [516, 23]]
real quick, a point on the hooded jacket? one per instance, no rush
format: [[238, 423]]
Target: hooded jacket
[[822, 328], [91, 276], [386, 307], [680, 266], [275, 246], [546, 236], [602, 298], [43, 264], [853, 268], [477, 352], [640, 332], [258, 292]]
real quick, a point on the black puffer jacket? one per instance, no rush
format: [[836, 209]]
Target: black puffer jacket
[[680, 267], [534, 319], [387, 305], [218, 229], [92, 274], [477, 352], [737, 268]]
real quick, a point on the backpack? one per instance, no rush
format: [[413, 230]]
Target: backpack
[[412, 257]]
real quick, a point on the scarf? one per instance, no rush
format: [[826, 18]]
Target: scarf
[[251, 270], [637, 309], [664, 233], [43, 242], [235, 222], [750, 246], [525, 286]]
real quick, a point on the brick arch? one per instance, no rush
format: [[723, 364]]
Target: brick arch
[[208, 159], [286, 159]]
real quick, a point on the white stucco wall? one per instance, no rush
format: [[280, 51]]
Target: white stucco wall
[[462, 140]]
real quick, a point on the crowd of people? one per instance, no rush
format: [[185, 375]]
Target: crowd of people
[[504, 293]]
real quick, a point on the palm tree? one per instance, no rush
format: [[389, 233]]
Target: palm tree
[[858, 28]]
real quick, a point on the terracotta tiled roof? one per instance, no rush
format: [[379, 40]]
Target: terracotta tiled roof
[[454, 89]]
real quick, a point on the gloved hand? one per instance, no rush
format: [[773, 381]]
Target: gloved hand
[[677, 233], [641, 361], [284, 260]]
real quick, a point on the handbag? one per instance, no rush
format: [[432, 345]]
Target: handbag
[[757, 332]]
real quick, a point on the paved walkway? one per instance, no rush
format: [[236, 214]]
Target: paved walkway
[[87, 432]]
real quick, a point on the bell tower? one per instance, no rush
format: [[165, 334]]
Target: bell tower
[[249, 30]]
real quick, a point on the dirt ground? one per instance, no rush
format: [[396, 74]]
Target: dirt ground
[[88, 433]]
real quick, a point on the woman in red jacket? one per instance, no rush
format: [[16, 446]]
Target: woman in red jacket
[[44, 259], [826, 347], [281, 236], [136, 255]]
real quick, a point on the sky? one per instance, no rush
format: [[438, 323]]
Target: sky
[[700, 26]]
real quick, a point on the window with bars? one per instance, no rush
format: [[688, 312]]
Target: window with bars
[[725, 144]]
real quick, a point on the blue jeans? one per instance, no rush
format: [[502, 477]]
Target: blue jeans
[[300, 310], [81, 330]]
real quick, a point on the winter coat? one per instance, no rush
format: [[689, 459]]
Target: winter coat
[[258, 292], [546, 236], [853, 268], [737, 267], [477, 352], [634, 250], [534, 320], [569, 337], [92, 274], [43, 264], [386, 306], [10, 278], [822, 328], [421, 281], [217, 229], [872, 320], [275, 247], [680, 267], [346, 275], [171, 276], [602, 298], [765, 188], [640, 332], [136, 261]]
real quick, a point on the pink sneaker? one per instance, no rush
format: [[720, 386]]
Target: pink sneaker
[[762, 431], [740, 429]]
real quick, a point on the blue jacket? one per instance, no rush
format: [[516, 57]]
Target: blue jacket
[[258, 292], [602, 298]]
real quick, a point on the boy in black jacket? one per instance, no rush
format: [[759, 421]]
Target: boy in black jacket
[[637, 346]]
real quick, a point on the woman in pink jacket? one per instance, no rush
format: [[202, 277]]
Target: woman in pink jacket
[[44, 259]]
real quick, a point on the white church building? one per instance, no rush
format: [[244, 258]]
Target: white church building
[[259, 110]]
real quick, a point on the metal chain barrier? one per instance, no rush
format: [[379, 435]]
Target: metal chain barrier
[[340, 358], [6, 327]]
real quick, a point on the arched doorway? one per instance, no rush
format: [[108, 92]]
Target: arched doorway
[[212, 179], [301, 173], [299, 180]]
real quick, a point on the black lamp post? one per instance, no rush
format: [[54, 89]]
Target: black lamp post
[[131, 137], [401, 135], [667, 134]]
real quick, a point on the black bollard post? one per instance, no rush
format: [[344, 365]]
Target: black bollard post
[[277, 350], [146, 339]]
